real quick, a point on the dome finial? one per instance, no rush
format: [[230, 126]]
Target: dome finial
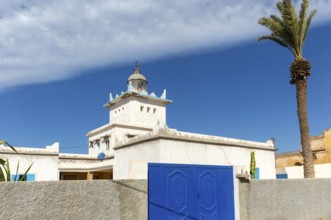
[[136, 69], [137, 81]]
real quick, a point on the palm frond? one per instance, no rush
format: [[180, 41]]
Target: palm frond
[[302, 23], [271, 24], [303, 14], [280, 7], [12, 147], [276, 26], [307, 24], [278, 40], [289, 17], [289, 14], [18, 165], [273, 38], [277, 19], [7, 171], [2, 174], [2, 142], [289, 30]]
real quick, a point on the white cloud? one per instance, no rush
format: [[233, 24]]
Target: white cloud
[[42, 40]]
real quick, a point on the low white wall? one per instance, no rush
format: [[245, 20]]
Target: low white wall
[[126, 158], [173, 151], [296, 172], [44, 167], [179, 151]]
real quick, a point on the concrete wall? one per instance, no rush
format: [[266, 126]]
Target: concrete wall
[[286, 199], [101, 199]]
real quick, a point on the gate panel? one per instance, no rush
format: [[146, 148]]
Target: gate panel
[[226, 192], [208, 189], [188, 192]]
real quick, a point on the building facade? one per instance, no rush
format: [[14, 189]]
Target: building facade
[[137, 134], [290, 164]]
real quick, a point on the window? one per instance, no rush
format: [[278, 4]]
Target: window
[[105, 140], [28, 177], [97, 144], [281, 176], [257, 173], [148, 109], [20, 176], [154, 110], [141, 108]]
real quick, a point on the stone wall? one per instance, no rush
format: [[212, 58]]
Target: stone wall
[[321, 146], [100, 199], [286, 199]]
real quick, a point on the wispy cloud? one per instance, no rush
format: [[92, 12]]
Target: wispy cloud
[[42, 40]]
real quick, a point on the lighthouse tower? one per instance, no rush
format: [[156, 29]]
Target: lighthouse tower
[[131, 113]]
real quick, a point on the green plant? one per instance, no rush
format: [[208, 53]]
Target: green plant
[[290, 31], [5, 174], [253, 165]]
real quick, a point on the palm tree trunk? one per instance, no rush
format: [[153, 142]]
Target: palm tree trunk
[[308, 161]]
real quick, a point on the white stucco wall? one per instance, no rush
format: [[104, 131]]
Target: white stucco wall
[[138, 153], [179, 151], [173, 151], [45, 161], [148, 112], [120, 112], [296, 172], [142, 111], [129, 116]]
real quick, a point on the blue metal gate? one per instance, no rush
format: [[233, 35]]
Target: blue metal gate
[[184, 192]]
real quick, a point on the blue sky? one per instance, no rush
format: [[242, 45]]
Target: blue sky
[[56, 70]]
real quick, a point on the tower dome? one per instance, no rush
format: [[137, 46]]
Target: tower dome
[[137, 81]]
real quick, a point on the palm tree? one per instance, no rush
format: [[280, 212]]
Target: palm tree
[[290, 31]]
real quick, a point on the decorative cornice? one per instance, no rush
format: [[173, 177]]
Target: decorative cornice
[[170, 134]]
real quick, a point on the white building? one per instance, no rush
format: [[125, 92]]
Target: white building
[[137, 134], [44, 162]]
